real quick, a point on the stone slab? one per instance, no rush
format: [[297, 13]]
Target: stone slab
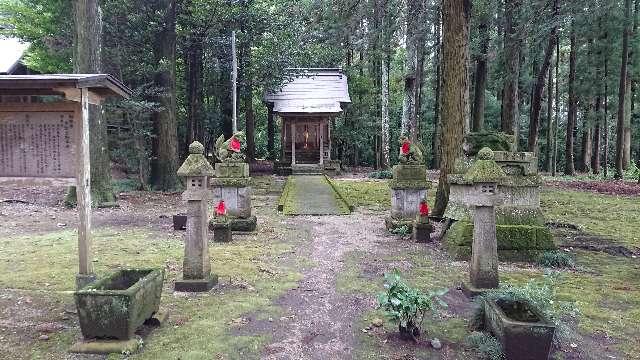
[[221, 232], [104, 347], [471, 291], [244, 225], [405, 203], [422, 232], [232, 170], [409, 172], [196, 285]]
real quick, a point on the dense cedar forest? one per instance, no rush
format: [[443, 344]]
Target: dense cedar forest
[[562, 75]]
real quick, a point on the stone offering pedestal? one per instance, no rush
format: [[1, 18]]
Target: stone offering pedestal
[[422, 229], [221, 231], [196, 269], [408, 187], [521, 231], [232, 184]]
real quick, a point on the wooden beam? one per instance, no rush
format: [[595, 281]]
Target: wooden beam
[[30, 181], [74, 94], [39, 107], [83, 188]]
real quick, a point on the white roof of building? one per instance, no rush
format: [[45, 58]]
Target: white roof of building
[[12, 51], [311, 91]]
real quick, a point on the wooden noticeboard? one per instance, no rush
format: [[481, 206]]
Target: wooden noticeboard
[[39, 144]]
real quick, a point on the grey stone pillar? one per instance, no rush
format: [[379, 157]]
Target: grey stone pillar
[[484, 258]]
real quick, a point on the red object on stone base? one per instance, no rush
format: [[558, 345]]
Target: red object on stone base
[[235, 145], [221, 209], [406, 147], [424, 209]]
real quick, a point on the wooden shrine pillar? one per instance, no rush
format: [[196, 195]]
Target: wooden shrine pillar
[[83, 191], [293, 142]]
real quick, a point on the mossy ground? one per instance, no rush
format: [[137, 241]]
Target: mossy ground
[[38, 278], [38, 274]]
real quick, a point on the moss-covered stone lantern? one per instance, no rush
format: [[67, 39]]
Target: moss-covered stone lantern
[[196, 270], [484, 174]]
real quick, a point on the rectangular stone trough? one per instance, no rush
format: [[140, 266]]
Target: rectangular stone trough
[[114, 307], [523, 332]]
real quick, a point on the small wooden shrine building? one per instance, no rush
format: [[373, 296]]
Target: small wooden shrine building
[[306, 104]]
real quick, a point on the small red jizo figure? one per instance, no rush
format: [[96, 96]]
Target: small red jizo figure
[[220, 225], [221, 209], [422, 228]]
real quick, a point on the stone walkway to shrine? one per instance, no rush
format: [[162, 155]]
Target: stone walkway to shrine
[[313, 195]]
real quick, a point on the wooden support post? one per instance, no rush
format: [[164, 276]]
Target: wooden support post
[[329, 136], [293, 143], [321, 143], [83, 191]]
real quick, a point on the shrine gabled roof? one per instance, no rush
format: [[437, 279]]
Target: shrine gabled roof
[[102, 84], [311, 91]]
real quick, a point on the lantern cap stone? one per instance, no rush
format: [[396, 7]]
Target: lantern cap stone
[[485, 169], [196, 164], [196, 148]]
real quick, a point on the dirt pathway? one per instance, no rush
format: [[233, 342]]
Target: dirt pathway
[[319, 319]]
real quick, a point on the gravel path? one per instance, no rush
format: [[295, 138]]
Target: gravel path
[[319, 320]]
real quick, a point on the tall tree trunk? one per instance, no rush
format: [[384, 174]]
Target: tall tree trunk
[[595, 153], [195, 94], [249, 121], [88, 60], [437, 86], [549, 135], [512, 47], [569, 167], [556, 113], [622, 99], [628, 109], [606, 118], [587, 139], [408, 126], [477, 115], [386, 160], [165, 142], [455, 14], [536, 98]]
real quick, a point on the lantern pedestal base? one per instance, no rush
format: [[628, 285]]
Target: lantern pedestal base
[[471, 291], [196, 285], [422, 232]]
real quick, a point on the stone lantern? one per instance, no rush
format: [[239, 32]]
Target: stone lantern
[[484, 174], [196, 269]]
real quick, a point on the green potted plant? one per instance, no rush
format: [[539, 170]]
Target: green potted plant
[[406, 305]]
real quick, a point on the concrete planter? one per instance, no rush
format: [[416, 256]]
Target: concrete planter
[[523, 332], [114, 307]]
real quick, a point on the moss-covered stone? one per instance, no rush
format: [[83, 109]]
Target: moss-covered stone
[[484, 169], [496, 141], [232, 170], [230, 182], [114, 307], [404, 172], [238, 224], [410, 184], [196, 163], [519, 242]]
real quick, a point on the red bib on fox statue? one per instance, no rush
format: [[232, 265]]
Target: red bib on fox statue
[[235, 145], [424, 209]]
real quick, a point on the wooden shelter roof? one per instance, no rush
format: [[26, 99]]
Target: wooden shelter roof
[[102, 84], [311, 91]]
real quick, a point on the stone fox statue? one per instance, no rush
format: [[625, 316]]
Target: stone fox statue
[[410, 153], [232, 149]]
